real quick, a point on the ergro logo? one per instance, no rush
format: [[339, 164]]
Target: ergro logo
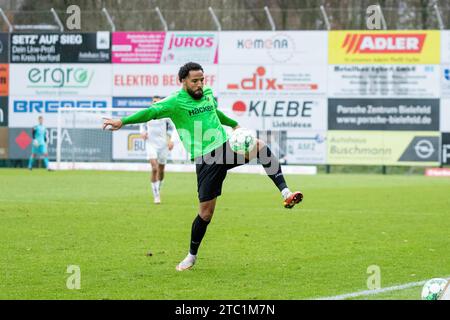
[[49, 77]]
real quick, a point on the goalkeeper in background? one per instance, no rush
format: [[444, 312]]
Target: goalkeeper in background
[[157, 134], [39, 146], [193, 110]]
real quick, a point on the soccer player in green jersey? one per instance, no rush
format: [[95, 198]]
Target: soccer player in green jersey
[[198, 121]]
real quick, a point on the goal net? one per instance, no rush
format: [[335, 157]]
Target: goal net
[[81, 142]]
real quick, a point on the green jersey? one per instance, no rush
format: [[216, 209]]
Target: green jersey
[[198, 122]]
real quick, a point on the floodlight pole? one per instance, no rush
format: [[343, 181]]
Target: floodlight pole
[[163, 21], [215, 19], [5, 18], [325, 17], [383, 21], [110, 21], [269, 17], [57, 20], [439, 16]]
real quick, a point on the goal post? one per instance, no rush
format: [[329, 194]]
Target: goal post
[[81, 142]]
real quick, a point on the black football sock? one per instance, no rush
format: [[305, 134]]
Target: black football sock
[[272, 166], [198, 231]]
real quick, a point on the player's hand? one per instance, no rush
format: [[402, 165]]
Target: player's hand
[[144, 135], [114, 124], [170, 145]]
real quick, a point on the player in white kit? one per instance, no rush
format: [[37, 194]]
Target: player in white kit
[[158, 135]]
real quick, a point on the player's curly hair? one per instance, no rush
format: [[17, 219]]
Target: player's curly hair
[[184, 70]]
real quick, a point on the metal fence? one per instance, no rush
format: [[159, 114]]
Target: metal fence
[[265, 18]]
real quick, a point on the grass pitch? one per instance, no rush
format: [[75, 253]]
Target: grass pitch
[[105, 223]]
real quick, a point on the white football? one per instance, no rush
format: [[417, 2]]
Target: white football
[[242, 140], [433, 289]]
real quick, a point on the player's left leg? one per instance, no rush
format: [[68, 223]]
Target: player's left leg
[[43, 151], [273, 170]]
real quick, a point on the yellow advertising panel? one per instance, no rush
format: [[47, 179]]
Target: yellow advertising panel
[[384, 148], [384, 47]]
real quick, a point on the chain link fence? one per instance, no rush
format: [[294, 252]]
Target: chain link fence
[[147, 19]]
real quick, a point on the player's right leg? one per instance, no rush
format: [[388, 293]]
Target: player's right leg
[[210, 177], [198, 230]]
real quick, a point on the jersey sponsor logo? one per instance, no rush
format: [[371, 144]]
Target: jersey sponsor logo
[[383, 43], [199, 110], [51, 106]]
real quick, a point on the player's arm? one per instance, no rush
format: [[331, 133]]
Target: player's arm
[[160, 109], [33, 134], [143, 131], [226, 121], [169, 131]]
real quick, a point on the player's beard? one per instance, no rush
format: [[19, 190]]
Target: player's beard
[[196, 95]]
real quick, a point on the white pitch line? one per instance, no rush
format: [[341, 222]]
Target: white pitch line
[[376, 291]]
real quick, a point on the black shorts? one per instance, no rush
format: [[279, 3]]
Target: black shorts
[[212, 169]]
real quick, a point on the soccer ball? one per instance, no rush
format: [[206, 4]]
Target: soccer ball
[[433, 289], [242, 140]]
